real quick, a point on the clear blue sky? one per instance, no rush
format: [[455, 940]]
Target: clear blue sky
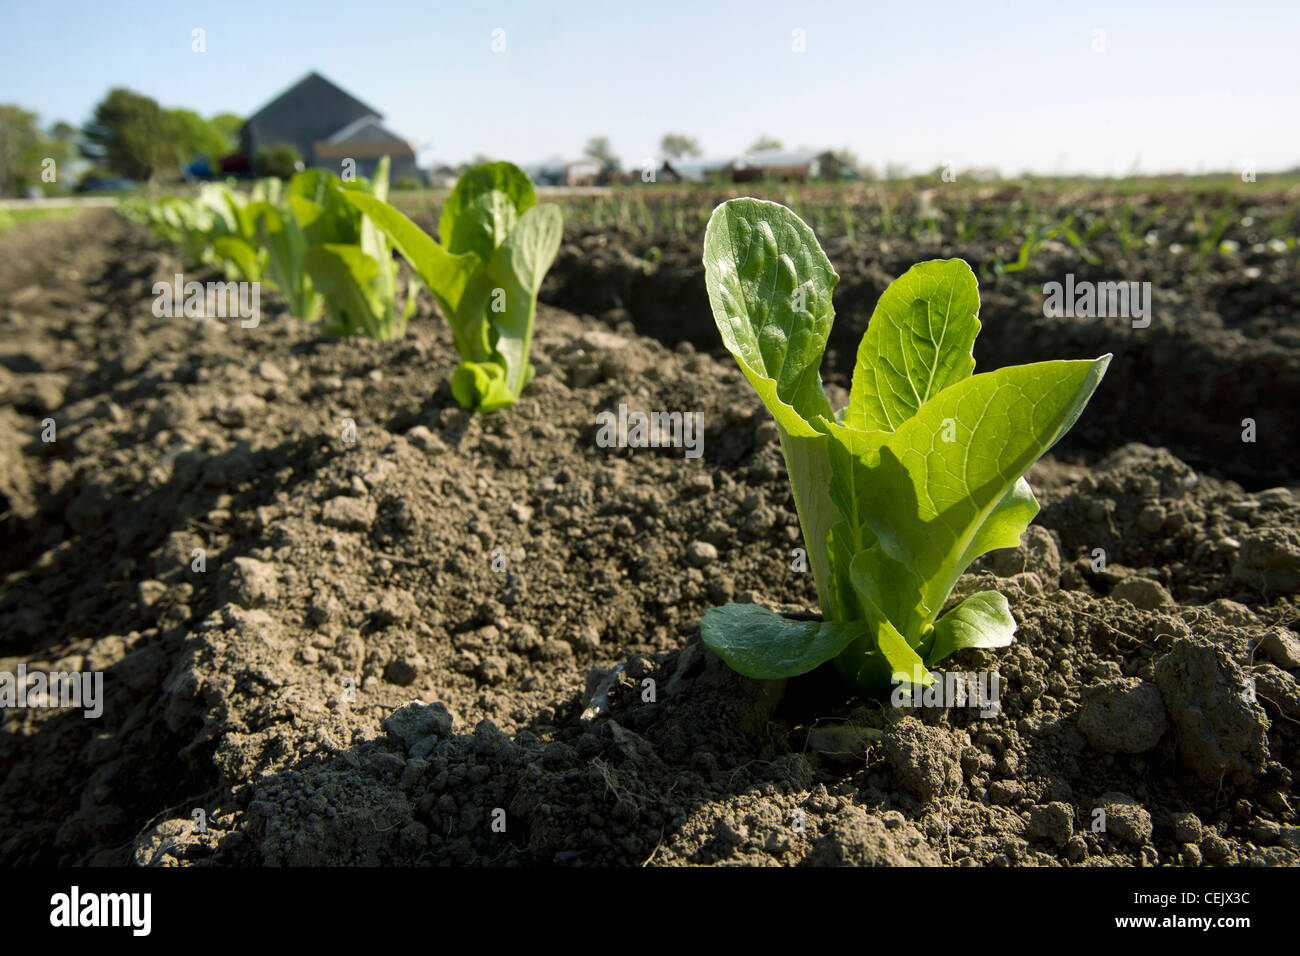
[[1192, 85]]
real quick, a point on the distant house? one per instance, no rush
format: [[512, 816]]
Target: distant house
[[558, 171], [790, 166], [442, 176], [327, 125], [696, 170], [582, 172]]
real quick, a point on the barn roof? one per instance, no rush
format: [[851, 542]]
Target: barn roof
[[314, 86], [311, 111]]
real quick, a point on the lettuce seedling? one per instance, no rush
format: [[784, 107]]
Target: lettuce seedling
[[323, 255], [191, 224], [901, 490], [280, 233], [239, 248], [215, 227], [310, 213], [497, 245], [351, 264]]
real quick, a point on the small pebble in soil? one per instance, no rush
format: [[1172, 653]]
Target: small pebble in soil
[[404, 669], [252, 583], [416, 721], [270, 372], [1282, 646], [1125, 818], [1122, 716], [1053, 822], [1142, 593], [1220, 727], [1187, 828], [348, 513], [701, 553]]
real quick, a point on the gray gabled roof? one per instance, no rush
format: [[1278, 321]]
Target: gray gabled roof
[[314, 85], [311, 110], [354, 130]]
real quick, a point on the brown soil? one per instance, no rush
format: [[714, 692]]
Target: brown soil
[[474, 640]]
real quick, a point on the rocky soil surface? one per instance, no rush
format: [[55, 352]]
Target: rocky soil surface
[[343, 622]]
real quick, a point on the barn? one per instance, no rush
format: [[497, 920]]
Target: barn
[[327, 125]]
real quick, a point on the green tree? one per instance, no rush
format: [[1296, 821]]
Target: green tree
[[131, 135], [193, 136], [677, 145], [598, 148], [764, 142], [230, 126], [24, 148], [281, 160], [65, 132], [19, 143], [63, 145]]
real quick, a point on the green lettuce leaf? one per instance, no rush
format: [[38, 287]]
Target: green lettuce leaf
[[243, 254], [902, 490], [760, 643], [497, 247], [882, 659], [444, 274], [518, 268], [286, 247], [982, 620], [904, 663], [769, 285], [936, 495], [348, 279], [919, 342], [481, 386], [889, 589], [483, 208]]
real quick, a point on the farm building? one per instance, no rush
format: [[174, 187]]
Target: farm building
[[557, 171], [696, 170], [789, 166], [327, 125]]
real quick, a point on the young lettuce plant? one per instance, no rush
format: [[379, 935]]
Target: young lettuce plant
[[351, 264], [191, 224], [497, 245], [901, 490], [310, 213], [240, 250], [280, 233]]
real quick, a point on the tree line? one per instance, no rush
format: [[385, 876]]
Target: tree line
[[129, 135]]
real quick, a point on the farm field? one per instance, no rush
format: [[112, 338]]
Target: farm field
[[413, 622]]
